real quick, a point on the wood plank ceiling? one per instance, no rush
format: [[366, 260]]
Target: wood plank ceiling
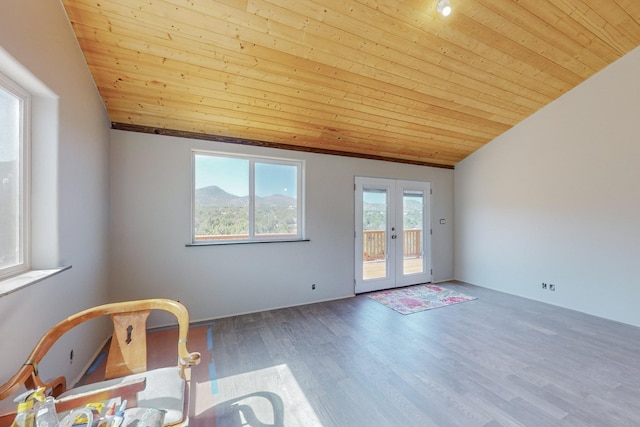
[[387, 79]]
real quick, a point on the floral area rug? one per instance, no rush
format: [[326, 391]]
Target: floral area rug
[[413, 299]]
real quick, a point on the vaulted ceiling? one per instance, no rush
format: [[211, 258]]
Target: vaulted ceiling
[[386, 79]]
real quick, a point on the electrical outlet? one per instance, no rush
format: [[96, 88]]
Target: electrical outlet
[[552, 287], [544, 286], [313, 287]]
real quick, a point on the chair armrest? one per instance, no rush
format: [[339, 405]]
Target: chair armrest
[[192, 359], [25, 374], [54, 387]]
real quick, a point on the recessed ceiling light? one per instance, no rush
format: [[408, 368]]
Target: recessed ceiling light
[[444, 7]]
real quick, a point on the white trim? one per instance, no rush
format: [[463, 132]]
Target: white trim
[[28, 278], [211, 320], [394, 190], [24, 181]]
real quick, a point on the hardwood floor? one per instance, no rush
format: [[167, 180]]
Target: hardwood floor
[[499, 360]]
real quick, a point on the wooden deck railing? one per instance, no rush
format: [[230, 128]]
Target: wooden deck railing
[[204, 238], [374, 244], [412, 243]]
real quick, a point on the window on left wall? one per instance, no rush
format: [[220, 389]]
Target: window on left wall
[[14, 178]]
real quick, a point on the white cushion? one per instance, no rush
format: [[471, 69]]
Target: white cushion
[[164, 390]]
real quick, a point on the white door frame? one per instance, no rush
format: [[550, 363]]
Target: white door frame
[[394, 257]]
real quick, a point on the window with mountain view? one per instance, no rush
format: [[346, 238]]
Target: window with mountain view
[[245, 198]]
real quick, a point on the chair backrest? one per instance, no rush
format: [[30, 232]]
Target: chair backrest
[[128, 349], [127, 353]]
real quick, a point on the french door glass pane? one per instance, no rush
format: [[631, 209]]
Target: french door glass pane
[[374, 227], [413, 231]]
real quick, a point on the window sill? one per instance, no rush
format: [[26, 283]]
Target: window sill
[[247, 242], [23, 280]]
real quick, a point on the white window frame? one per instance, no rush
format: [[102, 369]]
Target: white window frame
[[252, 238], [24, 166]]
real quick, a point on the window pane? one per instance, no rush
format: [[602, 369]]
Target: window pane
[[276, 202], [221, 210], [246, 198], [413, 235], [374, 226], [10, 180]]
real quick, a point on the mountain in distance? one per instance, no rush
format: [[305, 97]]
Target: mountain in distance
[[411, 205], [216, 196]]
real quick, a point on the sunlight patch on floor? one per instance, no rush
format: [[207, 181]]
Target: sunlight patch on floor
[[269, 396]]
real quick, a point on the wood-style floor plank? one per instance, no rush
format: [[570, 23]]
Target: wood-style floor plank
[[499, 360]]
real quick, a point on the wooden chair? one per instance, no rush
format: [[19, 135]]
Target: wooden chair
[[126, 374]]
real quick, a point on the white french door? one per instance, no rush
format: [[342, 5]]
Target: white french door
[[393, 233]]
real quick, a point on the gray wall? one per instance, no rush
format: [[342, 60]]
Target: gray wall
[[150, 225], [70, 187], [557, 200]]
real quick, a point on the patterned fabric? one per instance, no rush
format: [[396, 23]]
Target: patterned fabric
[[413, 299]]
